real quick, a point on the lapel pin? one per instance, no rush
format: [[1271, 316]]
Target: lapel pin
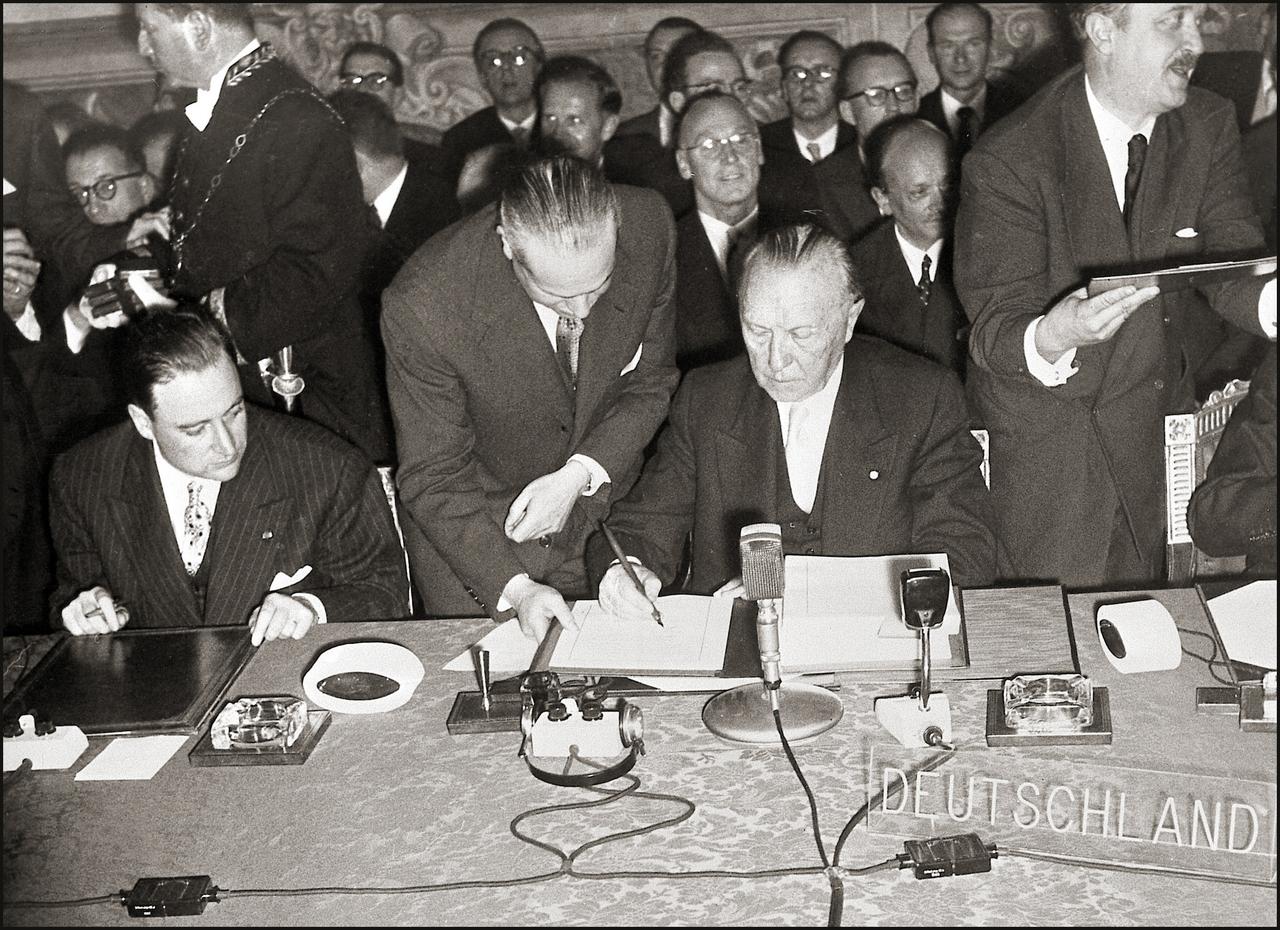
[[873, 474], [268, 534]]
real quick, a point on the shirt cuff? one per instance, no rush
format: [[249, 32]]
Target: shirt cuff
[[28, 325], [315, 603], [598, 475], [76, 337], [505, 609], [1267, 308], [1050, 374]]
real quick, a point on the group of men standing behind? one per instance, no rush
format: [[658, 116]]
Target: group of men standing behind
[[532, 349]]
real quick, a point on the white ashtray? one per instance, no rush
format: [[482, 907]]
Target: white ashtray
[[361, 663]]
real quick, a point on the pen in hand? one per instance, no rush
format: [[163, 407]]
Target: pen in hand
[[631, 572]]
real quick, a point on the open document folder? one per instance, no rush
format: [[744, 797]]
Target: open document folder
[[691, 641], [845, 614]]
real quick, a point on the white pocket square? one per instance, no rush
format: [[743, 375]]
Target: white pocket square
[[635, 360], [8, 188], [1187, 232], [281, 580]]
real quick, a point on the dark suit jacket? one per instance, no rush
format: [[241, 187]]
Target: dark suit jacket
[[646, 124], [285, 233], [480, 129], [900, 472], [425, 206], [788, 187], [1234, 74], [640, 160], [302, 497], [481, 408], [1001, 101], [847, 209], [1233, 510], [893, 312], [1038, 213]]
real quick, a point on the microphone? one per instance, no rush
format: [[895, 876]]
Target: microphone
[[745, 715], [760, 546]]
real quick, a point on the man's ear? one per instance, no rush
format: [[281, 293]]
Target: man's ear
[[854, 312], [886, 209], [846, 112], [609, 127], [141, 422], [676, 101], [1099, 29], [506, 246], [199, 28], [682, 165], [149, 188]]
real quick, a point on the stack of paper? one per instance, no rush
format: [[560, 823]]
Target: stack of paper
[[690, 642]]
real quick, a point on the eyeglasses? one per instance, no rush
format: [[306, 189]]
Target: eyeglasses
[[740, 142], [377, 79], [879, 96], [103, 189], [517, 57], [807, 75], [738, 88]]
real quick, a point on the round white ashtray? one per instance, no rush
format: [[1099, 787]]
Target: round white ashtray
[[379, 658]]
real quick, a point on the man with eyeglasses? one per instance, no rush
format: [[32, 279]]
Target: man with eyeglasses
[[719, 151], [529, 362], [375, 69], [659, 122], [697, 63], [269, 229], [508, 57], [1116, 165], [851, 445], [810, 63], [965, 103]]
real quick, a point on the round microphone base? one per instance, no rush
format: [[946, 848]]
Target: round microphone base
[[744, 714]]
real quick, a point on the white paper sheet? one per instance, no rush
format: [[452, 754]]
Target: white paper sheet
[[509, 651], [1246, 621], [692, 639], [134, 758]]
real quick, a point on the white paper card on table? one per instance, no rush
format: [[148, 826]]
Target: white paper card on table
[[1246, 622], [509, 651], [131, 758], [845, 613], [691, 640]]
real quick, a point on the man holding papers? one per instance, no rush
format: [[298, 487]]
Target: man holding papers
[[853, 446], [1114, 166]]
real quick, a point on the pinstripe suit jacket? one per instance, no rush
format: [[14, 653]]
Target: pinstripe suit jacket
[[302, 497]]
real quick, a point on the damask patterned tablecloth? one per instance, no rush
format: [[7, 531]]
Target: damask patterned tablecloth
[[393, 800]]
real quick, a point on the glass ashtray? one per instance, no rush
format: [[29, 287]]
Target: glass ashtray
[[259, 722], [1048, 703]]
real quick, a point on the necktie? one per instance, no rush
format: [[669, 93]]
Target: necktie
[[800, 470], [1137, 156], [966, 129], [741, 238], [815, 152], [568, 336], [195, 523], [520, 135], [374, 219], [925, 284]]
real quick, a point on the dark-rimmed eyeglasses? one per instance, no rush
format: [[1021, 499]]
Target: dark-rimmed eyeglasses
[[879, 96], [377, 79], [809, 75], [518, 57], [103, 188], [740, 142]]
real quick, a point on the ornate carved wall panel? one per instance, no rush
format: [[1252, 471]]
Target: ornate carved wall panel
[[87, 52]]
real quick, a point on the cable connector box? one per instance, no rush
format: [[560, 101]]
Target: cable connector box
[[940, 856], [183, 896]]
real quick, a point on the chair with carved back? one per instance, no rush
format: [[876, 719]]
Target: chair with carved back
[[1190, 439]]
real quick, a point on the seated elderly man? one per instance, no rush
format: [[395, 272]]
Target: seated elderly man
[[854, 446], [205, 512]]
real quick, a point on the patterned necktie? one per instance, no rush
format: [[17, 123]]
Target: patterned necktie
[[1132, 177], [568, 337], [195, 524], [815, 152], [966, 129], [925, 284]]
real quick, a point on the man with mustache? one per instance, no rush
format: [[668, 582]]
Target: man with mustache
[[1115, 164]]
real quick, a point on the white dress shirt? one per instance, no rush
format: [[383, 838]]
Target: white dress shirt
[[525, 124], [915, 257], [1114, 134], [951, 108], [826, 142], [173, 482], [200, 112], [804, 449], [718, 234], [385, 202]]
